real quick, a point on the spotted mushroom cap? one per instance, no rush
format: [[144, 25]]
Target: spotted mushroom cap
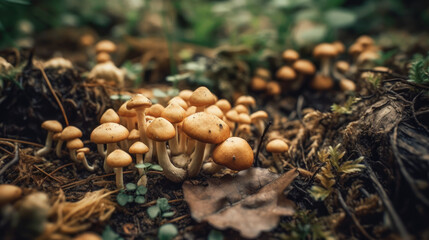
[[109, 133], [74, 144], [174, 113], [234, 153], [109, 116], [202, 97], [139, 101], [206, 128], [70, 132], [118, 159], [160, 130], [138, 148], [277, 146]]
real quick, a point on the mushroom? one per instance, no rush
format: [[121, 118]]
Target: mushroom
[[205, 129], [58, 63], [155, 110], [139, 148], [105, 46], [321, 83], [286, 74], [347, 85], [161, 130], [185, 95], [201, 98], [103, 57], [289, 56], [69, 133], [107, 71], [325, 52], [81, 152], [277, 147], [223, 105], [110, 134], [9, 194], [117, 160], [215, 110], [257, 118], [174, 114], [258, 84], [340, 70], [72, 146], [52, 126], [303, 68], [87, 236], [109, 116], [179, 101], [133, 137], [234, 153], [127, 116], [263, 73], [245, 100], [273, 88]]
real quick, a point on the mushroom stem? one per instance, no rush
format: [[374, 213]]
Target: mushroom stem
[[196, 159], [190, 146], [325, 66], [48, 144], [100, 149], [142, 181], [173, 143], [58, 148], [182, 142], [171, 172], [149, 155], [119, 178], [278, 161], [207, 151], [211, 167], [139, 160], [81, 156], [110, 148], [130, 123], [72, 154], [142, 125]]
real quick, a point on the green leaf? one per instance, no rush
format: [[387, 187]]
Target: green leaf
[[167, 232], [141, 190], [122, 199], [153, 211], [156, 167], [167, 214], [140, 165], [162, 203], [215, 235], [131, 186], [109, 234], [130, 198], [319, 193], [140, 199], [340, 18]]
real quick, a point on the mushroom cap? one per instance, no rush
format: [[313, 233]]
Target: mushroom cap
[[206, 128], [155, 110], [9, 193], [202, 97], [160, 130], [215, 110], [179, 101], [304, 66], [102, 57], [286, 73], [56, 136], [109, 133], [58, 62], [105, 46], [321, 83], [191, 110], [263, 73], [244, 118], [259, 115], [355, 49], [381, 68], [367, 56], [245, 100], [139, 101], [342, 66], [123, 111], [83, 150], [325, 50], [87, 236], [138, 148], [339, 46], [241, 109], [185, 94], [244, 128], [365, 41], [110, 116], [74, 144], [347, 85], [290, 55], [174, 113], [134, 135], [52, 126], [277, 146], [258, 84], [70, 132], [273, 88], [118, 159], [234, 153], [232, 115], [224, 105]]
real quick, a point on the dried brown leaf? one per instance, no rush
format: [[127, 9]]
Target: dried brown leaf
[[249, 202]]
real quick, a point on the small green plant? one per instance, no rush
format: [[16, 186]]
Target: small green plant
[[167, 231], [109, 234], [305, 225], [374, 79], [149, 166], [131, 193], [10, 75], [419, 70], [160, 209], [346, 108], [215, 235], [332, 169]]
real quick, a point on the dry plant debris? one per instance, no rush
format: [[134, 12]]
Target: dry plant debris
[[250, 202]]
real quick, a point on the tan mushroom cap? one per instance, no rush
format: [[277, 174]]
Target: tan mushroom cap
[[241, 109], [109, 133], [277, 146], [9, 193], [139, 101], [367, 56], [83, 150], [244, 118], [339, 46], [174, 113], [273, 88], [321, 83], [286, 73], [234, 153], [224, 105], [52, 126], [206, 128], [105, 46], [74, 144], [110, 116], [123, 111], [304, 66], [381, 68], [185, 94], [202, 97], [365, 41], [215, 110], [232, 115], [56, 136], [134, 135], [342, 66], [258, 84], [258, 115], [179, 101], [263, 73], [160, 130], [102, 57], [347, 85], [155, 110], [118, 159], [87, 236], [325, 50], [70, 132], [290, 55], [245, 100], [191, 110], [355, 49], [138, 148]]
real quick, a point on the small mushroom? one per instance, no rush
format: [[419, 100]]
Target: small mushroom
[[201, 98], [139, 148], [223, 105], [174, 114], [52, 126], [234, 153], [9, 194], [109, 116], [277, 147], [289, 56], [303, 68], [127, 116], [117, 160], [69, 133], [257, 118], [72, 146], [81, 152], [106, 46], [87, 236], [325, 52]]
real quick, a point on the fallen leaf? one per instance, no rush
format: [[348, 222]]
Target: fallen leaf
[[249, 202]]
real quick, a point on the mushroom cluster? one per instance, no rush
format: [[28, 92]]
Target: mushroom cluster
[[105, 69]]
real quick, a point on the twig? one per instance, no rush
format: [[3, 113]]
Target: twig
[[151, 203], [13, 161], [53, 93], [56, 170], [260, 143], [47, 174], [92, 178], [178, 218], [414, 112], [21, 141], [353, 217]]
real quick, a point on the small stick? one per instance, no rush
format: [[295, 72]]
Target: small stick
[[21, 141], [47, 174], [56, 170], [13, 161], [151, 203], [179, 218], [260, 143]]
